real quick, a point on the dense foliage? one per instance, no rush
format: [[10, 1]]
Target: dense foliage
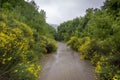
[[97, 37], [24, 38]]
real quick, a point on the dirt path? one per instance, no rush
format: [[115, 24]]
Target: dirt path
[[66, 65]]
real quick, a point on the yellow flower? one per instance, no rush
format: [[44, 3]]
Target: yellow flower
[[28, 62], [30, 69], [32, 65], [115, 77], [4, 54], [3, 62], [9, 59], [16, 71], [39, 67]]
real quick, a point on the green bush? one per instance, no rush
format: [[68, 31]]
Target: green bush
[[51, 46]]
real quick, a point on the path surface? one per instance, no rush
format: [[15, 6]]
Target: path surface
[[66, 65]]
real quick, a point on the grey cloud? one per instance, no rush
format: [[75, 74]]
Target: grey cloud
[[61, 10]]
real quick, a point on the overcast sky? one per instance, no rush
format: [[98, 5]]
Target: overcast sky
[[58, 11]]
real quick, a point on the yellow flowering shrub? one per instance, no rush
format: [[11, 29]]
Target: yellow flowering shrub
[[74, 42], [11, 45], [26, 70], [106, 70], [84, 47], [95, 58], [98, 68], [15, 42]]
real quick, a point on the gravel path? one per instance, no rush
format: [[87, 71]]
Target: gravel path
[[66, 65]]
